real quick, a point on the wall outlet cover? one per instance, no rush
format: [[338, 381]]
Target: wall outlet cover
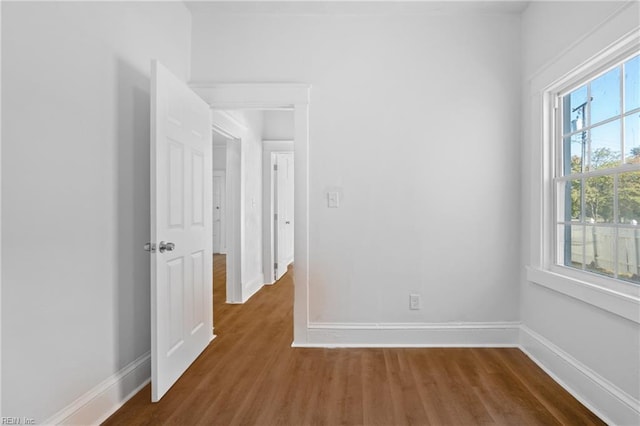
[[414, 301]]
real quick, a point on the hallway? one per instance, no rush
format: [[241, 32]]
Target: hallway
[[250, 375]]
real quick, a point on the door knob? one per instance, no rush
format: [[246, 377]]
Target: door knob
[[162, 247]]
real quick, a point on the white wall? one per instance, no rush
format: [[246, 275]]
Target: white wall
[[220, 155], [413, 119], [594, 352], [252, 277], [414, 116], [75, 194], [278, 125]]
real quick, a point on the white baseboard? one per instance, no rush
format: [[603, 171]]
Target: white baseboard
[[607, 401], [252, 287], [102, 401], [503, 334]]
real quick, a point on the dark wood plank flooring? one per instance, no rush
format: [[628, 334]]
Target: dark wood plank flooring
[[250, 375]]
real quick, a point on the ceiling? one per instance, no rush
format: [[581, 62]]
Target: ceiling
[[357, 6]]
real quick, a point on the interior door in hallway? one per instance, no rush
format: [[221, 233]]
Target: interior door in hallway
[[218, 212], [181, 229], [283, 207]]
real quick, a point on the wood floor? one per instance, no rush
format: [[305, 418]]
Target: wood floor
[[250, 375]]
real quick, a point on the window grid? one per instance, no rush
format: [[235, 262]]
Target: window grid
[[564, 178]]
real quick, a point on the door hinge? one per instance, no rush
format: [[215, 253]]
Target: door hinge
[[275, 167], [275, 216], [556, 102], [275, 265]]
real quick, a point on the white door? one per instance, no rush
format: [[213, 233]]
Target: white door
[[218, 212], [181, 261], [284, 212]]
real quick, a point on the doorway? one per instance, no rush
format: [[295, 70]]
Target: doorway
[[225, 227], [283, 206], [219, 204], [276, 96], [263, 138], [219, 193], [279, 235]]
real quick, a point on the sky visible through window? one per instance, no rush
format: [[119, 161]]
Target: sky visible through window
[[593, 127]]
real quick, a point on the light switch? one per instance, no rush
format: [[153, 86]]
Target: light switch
[[333, 199]]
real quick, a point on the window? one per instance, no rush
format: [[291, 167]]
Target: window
[[597, 173]]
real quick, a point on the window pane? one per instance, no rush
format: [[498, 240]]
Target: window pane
[[569, 200], [574, 152], [632, 84], [599, 247], [598, 198], [629, 198], [571, 244], [576, 199], [605, 146], [629, 254], [574, 106], [605, 96], [632, 138]]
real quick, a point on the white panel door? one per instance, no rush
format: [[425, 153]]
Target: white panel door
[[284, 212], [181, 264], [288, 201], [218, 210]]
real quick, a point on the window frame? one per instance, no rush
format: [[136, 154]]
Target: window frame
[[616, 296], [586, 77]]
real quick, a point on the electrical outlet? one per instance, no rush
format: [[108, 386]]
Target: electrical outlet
[[414, 302]]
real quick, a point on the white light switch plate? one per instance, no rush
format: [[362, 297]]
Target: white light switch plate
[[333, 199]]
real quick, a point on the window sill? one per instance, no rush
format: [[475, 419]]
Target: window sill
[[621, 304]]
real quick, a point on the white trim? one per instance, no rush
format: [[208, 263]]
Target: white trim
[[228, 120], [102, 401], [252, 287], [0, 222], [284, 145], [602, 397], [412, 335], [616, 296], [252, 95], [269, 96], [221, 130], [624, 305]]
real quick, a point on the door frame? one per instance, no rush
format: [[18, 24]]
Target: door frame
[[273, 96]]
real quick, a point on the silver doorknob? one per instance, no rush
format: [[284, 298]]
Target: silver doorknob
[[162, 247]]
